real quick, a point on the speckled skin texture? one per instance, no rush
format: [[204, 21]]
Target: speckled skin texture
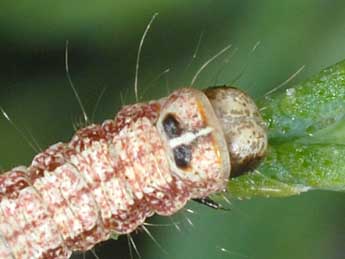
[[109, 178], [243, 127]]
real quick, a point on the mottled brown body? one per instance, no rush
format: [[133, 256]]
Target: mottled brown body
[[152, 158]]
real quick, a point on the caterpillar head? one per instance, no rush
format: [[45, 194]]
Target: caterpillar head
[[243, 127], [209, 134]]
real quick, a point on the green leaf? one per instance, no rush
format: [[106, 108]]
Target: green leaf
[[306, 128], [305, 109]]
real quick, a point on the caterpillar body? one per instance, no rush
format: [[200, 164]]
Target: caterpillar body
[[151, 159]]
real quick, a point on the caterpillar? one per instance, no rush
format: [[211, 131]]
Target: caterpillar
[[150, 159]]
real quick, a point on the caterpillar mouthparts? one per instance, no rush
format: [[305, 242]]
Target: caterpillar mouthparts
[[152, 158]]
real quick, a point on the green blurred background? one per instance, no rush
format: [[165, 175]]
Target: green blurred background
[[104, 36]]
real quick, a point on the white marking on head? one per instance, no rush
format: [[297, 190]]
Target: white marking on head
[[189, 137]]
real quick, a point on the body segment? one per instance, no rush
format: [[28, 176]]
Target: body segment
[[152, 158]]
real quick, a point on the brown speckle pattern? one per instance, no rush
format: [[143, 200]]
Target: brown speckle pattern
[[109, 178], [243, 127]]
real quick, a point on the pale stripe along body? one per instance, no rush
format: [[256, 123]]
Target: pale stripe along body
[[152, 158]]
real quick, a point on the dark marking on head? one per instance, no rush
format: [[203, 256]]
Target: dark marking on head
[[182, 155], [240, 166], [171, 126]]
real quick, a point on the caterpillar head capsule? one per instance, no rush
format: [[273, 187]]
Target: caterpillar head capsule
[[242, 125], [209, 134]]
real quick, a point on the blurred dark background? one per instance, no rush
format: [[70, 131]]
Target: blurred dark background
[[104, 37]]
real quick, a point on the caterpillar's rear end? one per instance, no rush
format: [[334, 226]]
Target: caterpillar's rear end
[[152, 158]]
